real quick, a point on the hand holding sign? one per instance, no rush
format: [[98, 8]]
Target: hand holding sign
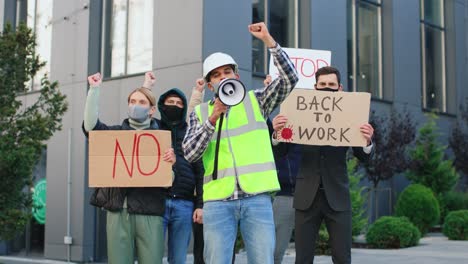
[[367, 131], [260, 31], [95, 80], [279, 122], [150, 79], [169, 156]]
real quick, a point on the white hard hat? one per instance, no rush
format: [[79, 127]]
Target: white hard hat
[[216, 60]]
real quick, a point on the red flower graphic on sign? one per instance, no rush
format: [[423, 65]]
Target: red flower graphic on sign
[[286, 134]]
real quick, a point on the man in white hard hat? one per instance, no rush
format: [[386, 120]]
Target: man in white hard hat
[[238, 179]]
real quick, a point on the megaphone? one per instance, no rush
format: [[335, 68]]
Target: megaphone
[[230, 91]]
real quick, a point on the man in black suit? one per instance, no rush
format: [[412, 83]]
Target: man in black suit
[[322, 188]]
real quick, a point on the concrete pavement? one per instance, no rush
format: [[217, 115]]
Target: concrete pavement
[[434, 248]]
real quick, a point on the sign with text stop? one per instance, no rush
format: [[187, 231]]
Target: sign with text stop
[[307, 62]]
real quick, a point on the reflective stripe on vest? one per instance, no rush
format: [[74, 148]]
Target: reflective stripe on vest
[[245, 154]]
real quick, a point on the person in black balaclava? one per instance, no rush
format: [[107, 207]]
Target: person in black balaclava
[[181, 204]]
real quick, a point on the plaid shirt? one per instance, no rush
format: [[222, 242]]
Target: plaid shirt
[[199, 135]]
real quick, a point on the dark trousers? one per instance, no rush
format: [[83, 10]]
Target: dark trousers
[[198, 243], [338, 224]]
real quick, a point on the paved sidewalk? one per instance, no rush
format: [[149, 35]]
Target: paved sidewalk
[[432, 249]]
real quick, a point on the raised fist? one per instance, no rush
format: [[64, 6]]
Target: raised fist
[[150, 79], [260, 31], [95, 79], [200, 84], [267, 80]]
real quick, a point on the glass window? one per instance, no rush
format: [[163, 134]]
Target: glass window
[[118, 37], [431, 12], [128, 37], [258, 50], [365, 46], [433, 55], [140, 36], [39, 19], [281, 18]]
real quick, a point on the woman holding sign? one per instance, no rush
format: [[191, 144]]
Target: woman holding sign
[[134, 215]]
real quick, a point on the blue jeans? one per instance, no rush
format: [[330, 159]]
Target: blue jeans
[[178, 218], [253, 214]]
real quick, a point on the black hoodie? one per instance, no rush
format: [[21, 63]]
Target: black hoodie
[[188, 176]]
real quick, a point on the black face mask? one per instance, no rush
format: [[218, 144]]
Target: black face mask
[[173, 113], [326, 89]]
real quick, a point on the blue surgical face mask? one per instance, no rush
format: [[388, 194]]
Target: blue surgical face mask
[[138, 113]]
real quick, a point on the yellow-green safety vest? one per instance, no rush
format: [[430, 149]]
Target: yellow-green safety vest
[[245, 154]]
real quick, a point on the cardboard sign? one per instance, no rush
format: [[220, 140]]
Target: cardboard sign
[[325, 118], [307, 62], [129, 158]]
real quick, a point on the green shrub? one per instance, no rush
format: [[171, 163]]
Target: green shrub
[[456, 225], [392, 232], [418, 203], [452, 201], [429, 166], [358, 198], [322, 246]]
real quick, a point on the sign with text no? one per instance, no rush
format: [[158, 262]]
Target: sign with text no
[[307, 62], [325, 118], [129, 158]]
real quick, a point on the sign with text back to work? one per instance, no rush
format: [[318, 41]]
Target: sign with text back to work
[[307, 62], [325, 118], [129, 158]]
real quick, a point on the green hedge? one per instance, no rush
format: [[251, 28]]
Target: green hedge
[[420, 206], [392, 232], [456, 225], [322, 246], [452, 201]]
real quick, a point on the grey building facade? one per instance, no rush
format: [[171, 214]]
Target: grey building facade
[[407, 53]]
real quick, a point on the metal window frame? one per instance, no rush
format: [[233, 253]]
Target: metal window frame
[[18, 10], [266, 14], [126, 37], [355, 41], [33, 78], [442, 30], [106, 55]]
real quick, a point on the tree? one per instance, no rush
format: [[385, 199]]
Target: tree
[[458, 140], [23, 129], [429, 166], [392, 135]]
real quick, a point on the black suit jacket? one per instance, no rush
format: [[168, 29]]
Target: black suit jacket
[[330, 163]]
